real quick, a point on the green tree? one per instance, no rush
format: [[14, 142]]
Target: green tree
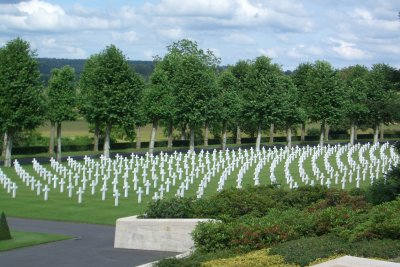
[[116, 89], [302, 79], [228, 102], [21, 93], [262, 101], [61, 100], [291, 112], [87, 97], [381, 97], [326, 96], [193, 79], [240, 70], [355, 80], [160, 101]]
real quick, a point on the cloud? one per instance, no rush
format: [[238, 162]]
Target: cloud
[[239, 38], [348, 50], [172, 33], [63, 47], [269, 52], [38, 15], [130, 37]]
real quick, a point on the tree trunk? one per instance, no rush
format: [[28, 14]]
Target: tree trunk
[[183, 132], [106, 148], [7, 160], [96, 137], [289, 136], [326, 132], [138, 137], [303, 132], [376, 133], [52, 133], [271, 133], [355, 133], [3, 152], [352, 132], [59, 141], [191, 145], [238, 135], [223, 144], [153, 136], [381, 137], [321, 134], [258, 140], [206, 132], [170, 134]]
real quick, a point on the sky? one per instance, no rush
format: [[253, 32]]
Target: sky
[[290, 32]]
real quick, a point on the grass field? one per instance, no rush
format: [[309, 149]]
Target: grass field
[[26, 239], [95, 210], [81, 128]]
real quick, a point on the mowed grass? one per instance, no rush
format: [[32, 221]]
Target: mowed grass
[[81, 128], [95, 210], [26, 239]]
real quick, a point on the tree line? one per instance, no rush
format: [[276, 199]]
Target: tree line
[[46, 65], [188, 91]]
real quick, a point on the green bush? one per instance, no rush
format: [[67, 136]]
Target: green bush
[[336, 219], [305, 250], [234, 203], [304, 196], [384, 189], [260, 258], [4, 229], [171, 208], [195, 259], [341, 198], [212, 236], [250, 233], [383, 221]]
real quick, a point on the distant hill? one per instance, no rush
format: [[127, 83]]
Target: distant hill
[[144, 68]]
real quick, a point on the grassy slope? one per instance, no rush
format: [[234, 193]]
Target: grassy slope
[[94, 210], [25, 239]]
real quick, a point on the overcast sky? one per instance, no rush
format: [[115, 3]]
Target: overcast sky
[[289, 31]]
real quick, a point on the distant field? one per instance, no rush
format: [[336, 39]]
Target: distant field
[[81, 128]]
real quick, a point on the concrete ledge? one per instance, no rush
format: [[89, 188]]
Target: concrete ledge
[[350, 261], [155, 234]]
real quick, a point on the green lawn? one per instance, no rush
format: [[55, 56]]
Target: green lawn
[[94, 210], [81, 128], [26, 239]]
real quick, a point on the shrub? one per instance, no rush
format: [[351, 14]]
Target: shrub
[[336, 219], [234, 203], [383, 221], [305, 250], [386, 189], [4, 229], [171, 208], [304, 196], [340, 198], [212, 236], [250, 233], [195, 259], [258, 258]]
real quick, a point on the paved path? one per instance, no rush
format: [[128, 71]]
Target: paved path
[[93, 245]]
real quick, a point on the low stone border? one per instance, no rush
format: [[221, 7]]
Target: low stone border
[[155, 234], [350, 261]]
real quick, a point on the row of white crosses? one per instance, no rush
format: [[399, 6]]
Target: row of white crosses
[[155, 176], [9, 185]]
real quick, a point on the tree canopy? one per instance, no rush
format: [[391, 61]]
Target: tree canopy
[[21, 92]]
